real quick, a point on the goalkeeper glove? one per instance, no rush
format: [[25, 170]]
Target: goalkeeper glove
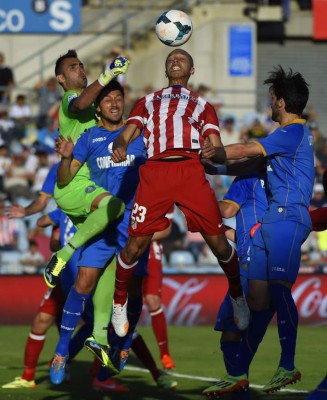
[[117, 67]]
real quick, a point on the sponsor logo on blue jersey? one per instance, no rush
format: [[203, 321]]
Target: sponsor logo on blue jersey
[[99, 139], [106, 162]]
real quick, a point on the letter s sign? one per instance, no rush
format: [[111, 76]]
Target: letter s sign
[[62, 20]]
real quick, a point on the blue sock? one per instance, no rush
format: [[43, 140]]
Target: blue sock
[[251, 340], [230, 350], [71, 314], [76, 343], [287, 321]]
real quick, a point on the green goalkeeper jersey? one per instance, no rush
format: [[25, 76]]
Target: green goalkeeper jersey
[[74, 124]]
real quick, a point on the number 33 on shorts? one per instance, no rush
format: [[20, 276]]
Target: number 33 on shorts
[[138, 215]]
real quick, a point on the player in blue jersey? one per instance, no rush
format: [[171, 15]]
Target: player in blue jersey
[[94, 148], [285, 225], [246, 199]]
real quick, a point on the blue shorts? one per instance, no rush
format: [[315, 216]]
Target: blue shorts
[[276, 253], [99, 250], [225, 316]]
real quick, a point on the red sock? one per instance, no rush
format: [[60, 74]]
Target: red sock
[[142, 352], [33, 348], [124, 273], [159, 326], [232, 272]]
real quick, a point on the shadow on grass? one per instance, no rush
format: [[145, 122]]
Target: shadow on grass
[[141, 387]]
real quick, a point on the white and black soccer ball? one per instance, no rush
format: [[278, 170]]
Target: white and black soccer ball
[[174, 28]]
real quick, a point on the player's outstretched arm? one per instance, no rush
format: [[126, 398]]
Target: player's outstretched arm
[[248, 166], [120, 144], [68, 167], [238, 151], [37, 205], [88, 96]]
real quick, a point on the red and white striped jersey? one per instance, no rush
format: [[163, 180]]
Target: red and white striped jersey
[[174, 118]]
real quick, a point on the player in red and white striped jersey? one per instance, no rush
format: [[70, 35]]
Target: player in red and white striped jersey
[[175, 122]]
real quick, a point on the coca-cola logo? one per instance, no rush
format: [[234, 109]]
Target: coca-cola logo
[[182, 310], [195, 299], [310, 298]]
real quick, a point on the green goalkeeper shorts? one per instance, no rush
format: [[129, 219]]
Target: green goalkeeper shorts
[[76, 198]]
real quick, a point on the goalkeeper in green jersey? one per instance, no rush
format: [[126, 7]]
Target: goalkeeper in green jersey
[[90, 207]]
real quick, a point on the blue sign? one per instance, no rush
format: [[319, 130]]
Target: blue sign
[[241, 50], [40, 16]]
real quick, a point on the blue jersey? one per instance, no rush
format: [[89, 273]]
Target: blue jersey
[[249, 195], [290, 173], [121, 179], [50, 181], [66, 232]]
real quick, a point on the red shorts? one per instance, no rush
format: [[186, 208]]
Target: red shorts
[[152, 283], [53, 302], [165, 183]]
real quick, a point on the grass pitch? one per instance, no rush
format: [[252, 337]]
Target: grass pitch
[[195, 351]]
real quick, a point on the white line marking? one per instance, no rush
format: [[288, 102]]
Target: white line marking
[[203, 378]]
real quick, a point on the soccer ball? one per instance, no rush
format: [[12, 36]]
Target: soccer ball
[[174, 28]]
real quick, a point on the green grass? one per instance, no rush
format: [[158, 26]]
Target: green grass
[[195, 351]]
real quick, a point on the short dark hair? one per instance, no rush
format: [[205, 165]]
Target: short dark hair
[[181, 51], [69, 54], [112, 85], [291, 87]]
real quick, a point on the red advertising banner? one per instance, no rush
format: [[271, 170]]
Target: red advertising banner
[[319, 17], [188, 299]]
